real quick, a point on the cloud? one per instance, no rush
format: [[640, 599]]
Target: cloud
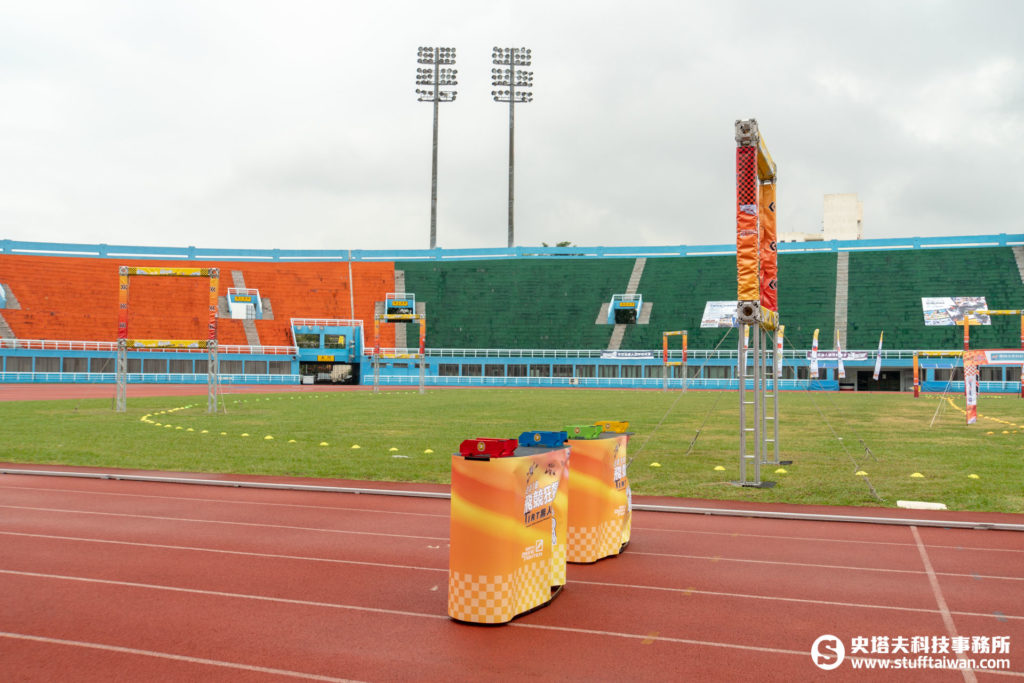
[[269, 125]]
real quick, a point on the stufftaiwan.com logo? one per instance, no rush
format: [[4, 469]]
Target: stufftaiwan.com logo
[[828, 652]]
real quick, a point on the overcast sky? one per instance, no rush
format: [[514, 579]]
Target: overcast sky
[[295, 124]]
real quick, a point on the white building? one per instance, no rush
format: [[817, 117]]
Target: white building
[[842, 219]]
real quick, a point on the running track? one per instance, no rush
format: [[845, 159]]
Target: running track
[[115, 580]]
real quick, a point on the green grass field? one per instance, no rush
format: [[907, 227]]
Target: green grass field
[[825, 434]]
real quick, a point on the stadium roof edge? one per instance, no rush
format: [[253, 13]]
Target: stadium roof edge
[[8, 246]]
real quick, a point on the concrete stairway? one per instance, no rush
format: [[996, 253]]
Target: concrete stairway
[[5, 330], [252, 336], [400, 328], [842, 295], [619, 331], [1018, 255]]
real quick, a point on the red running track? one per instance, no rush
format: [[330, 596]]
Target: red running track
[[106, 580]]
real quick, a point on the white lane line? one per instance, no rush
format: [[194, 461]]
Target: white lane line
[[665, 639], [168, 655], [385, 565], [947, 618], [720, 558], [817, 539], [218, 521], [231, 502], [276, 556], [403, 613], [779, 598]]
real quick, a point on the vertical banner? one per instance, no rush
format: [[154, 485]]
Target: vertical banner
[[917, 374], [214, 286], [967, 335], [814, 356], [769, 249], [684, 346], [376, 336], [423, 336], [122, 304], [971, 384], [878, 358], [600, 503], [746, 224], [746, 336], [664, 349], [839, 358], [779, 336], [508, 526]]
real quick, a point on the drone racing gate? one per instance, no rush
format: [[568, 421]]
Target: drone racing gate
[[974, 359], [124, 343], [379, 318], [757, 301], [666, 363]]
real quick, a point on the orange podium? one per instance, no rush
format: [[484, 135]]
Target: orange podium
[[600, 502], [509, 517]]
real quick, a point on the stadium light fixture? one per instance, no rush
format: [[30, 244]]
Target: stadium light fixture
[[437, 79], [511, 84]]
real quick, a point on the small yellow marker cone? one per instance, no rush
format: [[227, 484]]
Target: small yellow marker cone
[[781, 470], [168, 426], [324, 443], [719, 468], [157, 424], [245, 434], [190, 430], [917, 475], [655, 464], [990, 432], [268, 437], [1005, 432], [291, 441], [205, 431], [223, 433], [392, 450], [355, 446], [973, 476], [179, 427], [860, 473], [429, 450]]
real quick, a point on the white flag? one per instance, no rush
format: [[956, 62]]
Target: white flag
[[878, 358], [814, 356], [839, 356]]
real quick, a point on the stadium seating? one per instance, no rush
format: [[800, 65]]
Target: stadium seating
[[886, 288], [77, 298], [525, 303], [517, 304]]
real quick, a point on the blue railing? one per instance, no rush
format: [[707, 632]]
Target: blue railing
[[197, 253], [138, 378]]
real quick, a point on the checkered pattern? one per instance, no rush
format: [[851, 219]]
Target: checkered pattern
[[558, 559], [497, 599], [591, 543], [746, 175]]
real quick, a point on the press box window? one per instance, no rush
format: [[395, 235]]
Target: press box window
[[307, 341], [334, 341]]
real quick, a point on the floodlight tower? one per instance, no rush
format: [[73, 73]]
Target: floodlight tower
[[507, 76], [435, 76]]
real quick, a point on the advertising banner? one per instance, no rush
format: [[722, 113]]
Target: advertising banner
[[600, 503], [746, 224], [839, 359], [769, 254], [719, 314], [948, 310], [508, 533]]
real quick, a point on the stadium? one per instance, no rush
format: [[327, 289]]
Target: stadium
[[788, 456], [536, 330]]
